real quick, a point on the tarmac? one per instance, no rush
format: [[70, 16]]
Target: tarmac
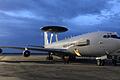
[[37, 68]]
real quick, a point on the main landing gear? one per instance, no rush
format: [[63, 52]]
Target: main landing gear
[[67, 59], [50, 56]]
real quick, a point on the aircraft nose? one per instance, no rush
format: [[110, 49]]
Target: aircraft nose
[[118, 43]]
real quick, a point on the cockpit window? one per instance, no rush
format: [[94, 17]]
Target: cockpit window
[[111, 36], [106, 36], [115, 36]]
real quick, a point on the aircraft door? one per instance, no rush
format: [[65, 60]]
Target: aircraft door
[[102, 48]]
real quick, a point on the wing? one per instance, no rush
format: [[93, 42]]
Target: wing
[[54, 51], [36, 46]]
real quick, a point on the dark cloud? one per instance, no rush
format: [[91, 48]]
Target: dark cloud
[[20, 20], [55, 8], [8, 5], [69, 8]]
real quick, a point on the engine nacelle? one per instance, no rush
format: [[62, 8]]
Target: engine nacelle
[[1, 50], [26, 53]]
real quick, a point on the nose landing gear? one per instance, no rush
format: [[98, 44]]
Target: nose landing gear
[[113, 59], [100, 62]]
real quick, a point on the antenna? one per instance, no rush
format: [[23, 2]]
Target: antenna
[[53, 30], [45, 38], [51, 36]]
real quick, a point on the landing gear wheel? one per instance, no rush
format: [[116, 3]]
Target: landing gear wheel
[[49, 57], [66, 59], [103, 62], [114, 62], [100, 62], [72, 58]]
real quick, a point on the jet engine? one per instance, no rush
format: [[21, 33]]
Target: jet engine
[[26, 53], [1, 50]]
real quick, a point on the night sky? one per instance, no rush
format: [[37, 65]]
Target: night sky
[[21, 20]]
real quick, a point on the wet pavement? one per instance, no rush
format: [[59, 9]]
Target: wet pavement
[[37, 68], [57, 71]]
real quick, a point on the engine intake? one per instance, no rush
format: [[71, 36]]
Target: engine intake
[[26, 53]]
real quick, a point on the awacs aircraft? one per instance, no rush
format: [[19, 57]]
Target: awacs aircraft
[[101, 45]]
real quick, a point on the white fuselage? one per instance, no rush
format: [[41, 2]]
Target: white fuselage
[[98, 44]]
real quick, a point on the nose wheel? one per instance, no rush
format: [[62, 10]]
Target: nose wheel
[[114, 62], [100, 62]]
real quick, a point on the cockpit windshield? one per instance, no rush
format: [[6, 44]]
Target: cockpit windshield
[[111, 36], [114, 36]]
